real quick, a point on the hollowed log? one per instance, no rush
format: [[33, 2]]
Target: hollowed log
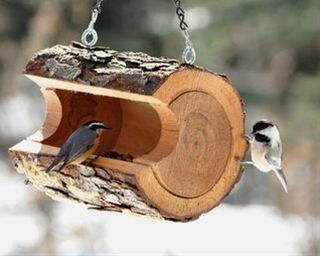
[[176, 140]]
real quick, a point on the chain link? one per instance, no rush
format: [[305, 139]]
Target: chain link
[[180, 14], [97, 6], [89, 36], [188, 53]]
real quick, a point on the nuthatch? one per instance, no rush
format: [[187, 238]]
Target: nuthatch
[[79, 146], [266, 149]]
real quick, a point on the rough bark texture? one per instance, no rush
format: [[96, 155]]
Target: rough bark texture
[[125, 71], [99, 188]]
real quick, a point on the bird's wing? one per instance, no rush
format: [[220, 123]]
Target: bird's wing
[[60, 158], [80, 142], [274, 155], [56, 161]]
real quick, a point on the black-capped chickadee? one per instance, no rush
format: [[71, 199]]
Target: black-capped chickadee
[[79, 146], [266, 149]]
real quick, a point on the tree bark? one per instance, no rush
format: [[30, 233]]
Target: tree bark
[[134, 72]]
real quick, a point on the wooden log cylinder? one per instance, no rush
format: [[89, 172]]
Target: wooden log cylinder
[[176, 140]]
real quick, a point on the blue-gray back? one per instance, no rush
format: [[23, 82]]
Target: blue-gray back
[[79, 142]]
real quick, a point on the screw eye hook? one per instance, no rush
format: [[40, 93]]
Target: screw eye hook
[[89, 37], [189, 55]]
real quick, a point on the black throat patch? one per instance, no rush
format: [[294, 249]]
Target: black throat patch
[[262, 138]]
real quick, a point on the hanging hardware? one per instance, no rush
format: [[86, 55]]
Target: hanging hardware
[[189, 53], [90, 36]]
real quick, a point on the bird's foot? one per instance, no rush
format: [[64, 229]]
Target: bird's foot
[[246, 162], [248, 138], [91, 160]]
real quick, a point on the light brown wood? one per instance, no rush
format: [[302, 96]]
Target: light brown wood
[[204, 146], [67, 111], [193, 80], [74, 87], [79, 108], [53, 116], [144, 126], [181, 126]]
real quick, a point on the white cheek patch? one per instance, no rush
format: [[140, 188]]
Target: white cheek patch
[[95, 124], [273, 134]]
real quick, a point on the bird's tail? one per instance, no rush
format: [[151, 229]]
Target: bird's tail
[[58, 160], [282, 178]]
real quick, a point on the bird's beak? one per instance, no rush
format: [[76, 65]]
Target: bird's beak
[[107, 128]]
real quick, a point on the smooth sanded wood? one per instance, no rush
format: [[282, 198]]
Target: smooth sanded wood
[[67, 111], [201, 155], [79, 108], [161, 182], [177, 131]]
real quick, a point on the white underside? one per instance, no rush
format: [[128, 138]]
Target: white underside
[[258, 153]]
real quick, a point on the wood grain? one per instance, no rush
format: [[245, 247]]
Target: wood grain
[[203, 149]]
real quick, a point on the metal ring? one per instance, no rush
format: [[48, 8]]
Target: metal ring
[[189, 55], [89, 32]]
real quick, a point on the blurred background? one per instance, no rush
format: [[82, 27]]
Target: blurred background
[[271, 51]]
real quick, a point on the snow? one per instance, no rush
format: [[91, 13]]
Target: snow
[[19, 230], [249, 230]]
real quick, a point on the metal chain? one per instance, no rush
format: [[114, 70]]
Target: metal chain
[[90, 36], [189, 53], [97, 6]]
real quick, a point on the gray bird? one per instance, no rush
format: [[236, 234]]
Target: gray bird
[[79, 146], [266, 150]]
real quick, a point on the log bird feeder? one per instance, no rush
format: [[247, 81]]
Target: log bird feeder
[[176, 140]]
